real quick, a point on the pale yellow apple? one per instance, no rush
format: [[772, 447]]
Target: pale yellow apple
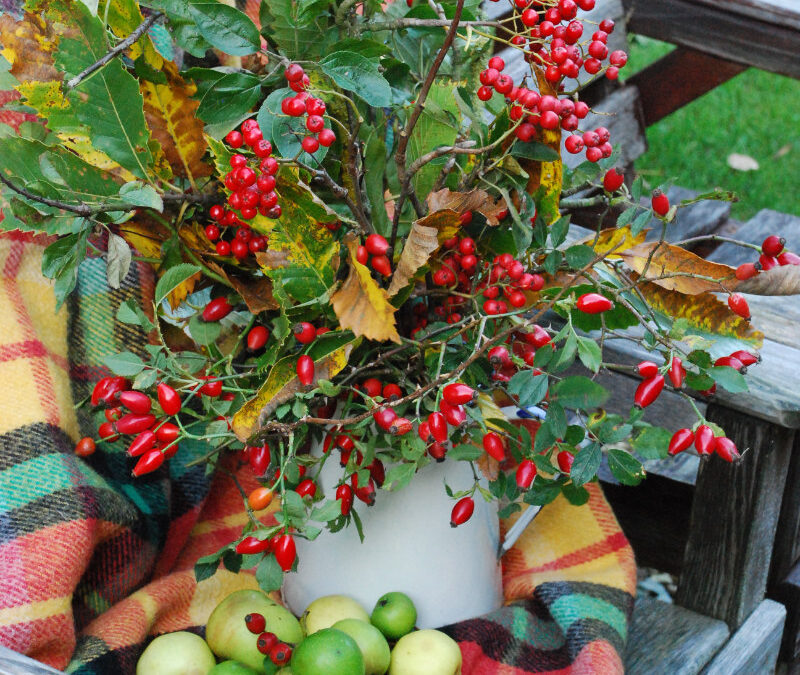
[[426, 652], [327, 610], [180, 653]]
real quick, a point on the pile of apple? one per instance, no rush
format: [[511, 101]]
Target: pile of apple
[[252, 634]]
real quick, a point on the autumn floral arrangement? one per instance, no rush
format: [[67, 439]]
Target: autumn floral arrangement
[[360, 220]]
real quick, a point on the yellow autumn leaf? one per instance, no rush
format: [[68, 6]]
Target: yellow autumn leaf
[[361, 305], [282, 383], [124, 17], [616, 239]]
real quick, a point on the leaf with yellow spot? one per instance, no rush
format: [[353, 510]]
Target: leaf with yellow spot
[[361, 305], [330, 353], [124, 17], [704, 315], [170, 114], [616, 239], [28, 45], [677, 269]]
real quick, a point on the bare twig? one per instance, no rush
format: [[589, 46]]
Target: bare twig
[[141, 29], [399, 24], [405, 134]]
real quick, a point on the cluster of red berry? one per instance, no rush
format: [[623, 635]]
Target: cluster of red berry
[[302, 103], [375, 252], [523, 345], [268, 643], [563, 57], [704, 441], [773, 254], [282, 546]]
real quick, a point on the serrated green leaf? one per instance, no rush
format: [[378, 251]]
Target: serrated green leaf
[[552, 261], [206, 566], [558, 231], [173, 278], [531, 389], [357, 73], [626, 468], [296, 32], [580, 392], [399, 475], [579, 256], [331, 510], [126, 364], [652, 443], [225, 27], [589, 353], [728, 378], [465, 452], [269, 574], [229, 98], [141, 195]]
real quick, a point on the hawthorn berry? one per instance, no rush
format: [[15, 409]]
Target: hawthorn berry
[[234, 139], [593, 303], [85, 447], [305, 370], [326, 137], [660, 203]]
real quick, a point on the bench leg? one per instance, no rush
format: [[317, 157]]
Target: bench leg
[[734, 517]]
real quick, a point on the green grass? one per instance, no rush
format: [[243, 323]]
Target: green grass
[[756, 113]]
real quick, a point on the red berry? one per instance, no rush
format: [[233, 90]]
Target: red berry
[[400, 426], [85, 447], [142, 443], [676, 372], [362, 255], [212, 387], [613, 180], [223, 248], [135, 401], [739, 305], [485, 93], [217, 309], [256, 623], [106, 388], [257, 338], [212, 232], [133, 423], [113, 414], [494, 446], [731, 362], [704, 440], [234, 139], [497, 63], [680, 441], [773, 245], [280, 654], [746, 358], [304, 332], [148, 462], [647, 369], [526, 472], [285, 552], [565, 459], [107, 433], [607, 26], [381, 264], [767, 262], [648, 391], [594, 303], [455, 415], [384, 417], [726, 448], [258, 458], [305, 370], [499, 356], [306, 488], [438, 426], [326, 137], [746, 271], [618, 58], [294, 72], [660, 203], [462, 511], [457, 393], [310, 144], [574, 144], [788, 258], [344, 494], [266, 640], [504, 84], [250, 546], [377, 244], [437, 451]]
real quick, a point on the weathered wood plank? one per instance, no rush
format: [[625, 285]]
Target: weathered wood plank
[[665, 638], [683, 75], [693, 220], [787, 592], [786, 550], [654, 517], [734, 516], [715, 29], [754, 231], [753, 649], [773, 11]]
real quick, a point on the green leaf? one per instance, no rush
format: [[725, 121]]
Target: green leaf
[[269, 574], [286, 133], [141, 195], [229, 98], [652, 443], [465, 452], [206, 566], [552, 261], [331, 510], [626, 468], [627, 216], [544, 439], [640, 222], [586, 464], [558, 231], [399, 476], [126, 364], [589, 353], [557, 419], [534, 150], [579, 256], [575, 494], [577, 391], [118, 261], [541, 493], [575, 434], [375, 159], [360, 75], [204, 332], [225, 27], [729, 378], [530, 388], [297, 33], [173, 278], [108, 102]]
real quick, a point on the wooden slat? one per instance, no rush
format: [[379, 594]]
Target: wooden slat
[[734, 516], [716, 30], [787, 592], [679, 78], [753, 649], [690, 221], [786, 551], [775, 11], [665, 638]]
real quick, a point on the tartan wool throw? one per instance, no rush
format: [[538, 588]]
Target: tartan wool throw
[[95, 563]]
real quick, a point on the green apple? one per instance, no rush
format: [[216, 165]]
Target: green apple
[[180, 653], [371, 642], [328, 652], [232, 668], [394, 615], [286, 670], [327, 610], [228, 636], [426, 652]]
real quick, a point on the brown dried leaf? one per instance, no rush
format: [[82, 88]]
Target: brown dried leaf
[[361, 305], [418, 246], [145, 235], [459, 202], [170, 114], [673, 267], [783, 280], [256, 291], [29, 45]]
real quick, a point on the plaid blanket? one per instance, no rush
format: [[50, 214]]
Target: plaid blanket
[[95, 563]]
